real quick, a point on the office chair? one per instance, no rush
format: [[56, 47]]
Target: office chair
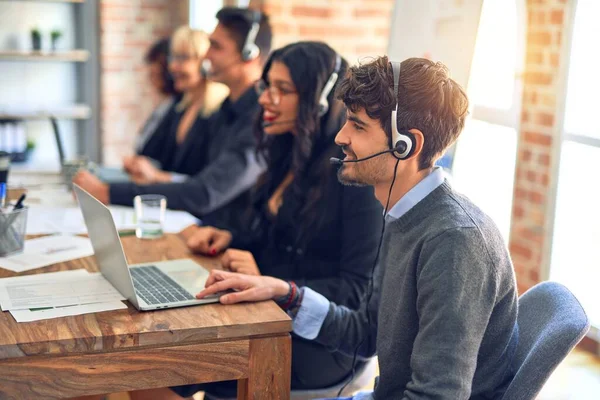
[[551, 322]]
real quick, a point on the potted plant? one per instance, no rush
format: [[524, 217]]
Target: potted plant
[[24, 156], [30, 147], [55, 35], [36, 39]]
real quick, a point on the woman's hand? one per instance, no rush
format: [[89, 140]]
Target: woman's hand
[[247, 288], [240, 261], [209, 240]]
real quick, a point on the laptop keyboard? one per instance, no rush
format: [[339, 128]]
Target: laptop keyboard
[[156, 287]]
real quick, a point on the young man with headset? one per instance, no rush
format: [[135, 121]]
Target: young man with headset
[[239, 46], [442, 311]]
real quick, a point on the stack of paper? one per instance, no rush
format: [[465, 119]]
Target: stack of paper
[[57, 294]]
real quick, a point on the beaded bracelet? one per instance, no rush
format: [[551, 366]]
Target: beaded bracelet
[[291, 298], [294, 308]]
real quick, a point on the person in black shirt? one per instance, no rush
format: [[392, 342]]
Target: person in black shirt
[[163, 86], [229, 165]]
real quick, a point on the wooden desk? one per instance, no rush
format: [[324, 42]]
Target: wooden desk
[[126, 350]]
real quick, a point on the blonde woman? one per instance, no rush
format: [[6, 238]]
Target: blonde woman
[[181, 133], [174, 151]]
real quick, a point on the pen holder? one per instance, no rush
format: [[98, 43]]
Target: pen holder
[[12, 231]]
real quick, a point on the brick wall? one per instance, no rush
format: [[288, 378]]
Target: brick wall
[[128, 28], [538, 140], [355, 28]]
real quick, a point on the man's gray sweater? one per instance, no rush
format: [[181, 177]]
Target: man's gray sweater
[[444, 306]]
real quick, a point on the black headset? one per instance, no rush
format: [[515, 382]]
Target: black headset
[[251, 51], [403, 142], [328, 87]]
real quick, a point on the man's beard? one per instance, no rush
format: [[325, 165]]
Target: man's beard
[[369, 173], [348, 181]]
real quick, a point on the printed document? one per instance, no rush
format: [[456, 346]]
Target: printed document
[[55, 291]]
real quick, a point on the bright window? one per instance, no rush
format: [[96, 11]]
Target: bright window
[[484, 169], [494, 65], [576, 235], [581, 116], [484, 164], [202, 14]]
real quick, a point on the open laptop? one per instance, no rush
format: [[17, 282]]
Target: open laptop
[[164, 284]]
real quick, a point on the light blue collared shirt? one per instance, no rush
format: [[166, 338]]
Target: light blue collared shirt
[[178, 178], [315, 306], [417, 193]]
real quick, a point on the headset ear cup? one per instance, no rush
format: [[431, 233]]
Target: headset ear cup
[[323, 108], [404, 146], [328, 87], [250, 52]]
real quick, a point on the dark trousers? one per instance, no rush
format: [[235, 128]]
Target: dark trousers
[[313, 367]]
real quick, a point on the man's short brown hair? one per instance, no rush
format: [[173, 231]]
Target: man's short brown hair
[[428, 100]]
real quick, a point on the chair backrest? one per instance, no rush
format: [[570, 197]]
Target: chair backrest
[[551, 322]]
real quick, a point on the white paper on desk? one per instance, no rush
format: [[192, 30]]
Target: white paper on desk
[[51, 196], [57, 312], [57, 291], [48, 250], [44, 276], [70, 220]]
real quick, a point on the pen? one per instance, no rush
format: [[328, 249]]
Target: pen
[[59, 249], [19, 204]]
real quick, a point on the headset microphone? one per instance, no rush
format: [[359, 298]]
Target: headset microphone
[[207, 70], [398, 149]]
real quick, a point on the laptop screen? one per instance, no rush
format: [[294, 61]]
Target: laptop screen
[[106, 243]]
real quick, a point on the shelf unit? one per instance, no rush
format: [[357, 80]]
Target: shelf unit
[[75, 112], [66, 56], [48, 1], [87, 78]]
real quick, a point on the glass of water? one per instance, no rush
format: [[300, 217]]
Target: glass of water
[[150, 215]]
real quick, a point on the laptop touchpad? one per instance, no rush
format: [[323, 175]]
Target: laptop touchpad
[[191, 276]]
